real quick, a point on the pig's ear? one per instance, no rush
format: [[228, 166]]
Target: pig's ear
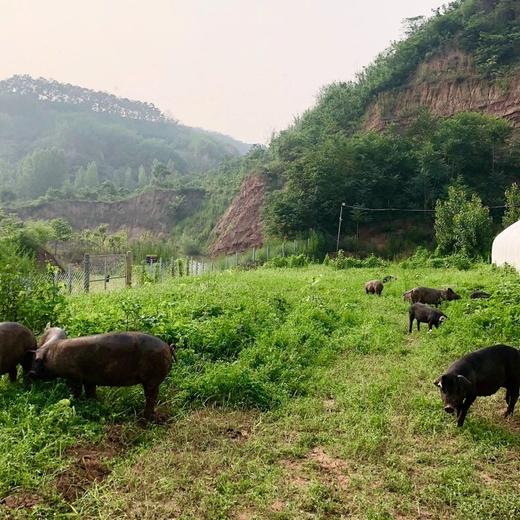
[[465, 381]]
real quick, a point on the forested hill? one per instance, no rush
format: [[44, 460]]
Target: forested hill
[[439, 107], [69, 139]]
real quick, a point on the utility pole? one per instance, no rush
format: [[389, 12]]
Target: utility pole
[[339, 224]]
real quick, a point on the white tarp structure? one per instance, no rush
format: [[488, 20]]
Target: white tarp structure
[[506, 247]]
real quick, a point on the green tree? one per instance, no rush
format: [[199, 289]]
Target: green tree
[[41, 170], [62, 232], [512, 213], [91, 175], [142, 177], [462, 224]]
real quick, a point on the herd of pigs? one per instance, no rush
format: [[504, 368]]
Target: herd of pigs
[[479, 373], [135, 358]]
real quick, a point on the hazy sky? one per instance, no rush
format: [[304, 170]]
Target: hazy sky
[[241, 67]]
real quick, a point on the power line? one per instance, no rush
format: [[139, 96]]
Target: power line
[[363, 208]]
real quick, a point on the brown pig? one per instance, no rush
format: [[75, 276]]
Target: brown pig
[[374, 287], [16, 344], [432, 296], [114, 359]]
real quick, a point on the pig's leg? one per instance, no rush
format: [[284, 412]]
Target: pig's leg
[[418, 324], [150, 393], [513, 397], [12, 374], [90, 390], [464, 409], [411, 323], [74, 387]]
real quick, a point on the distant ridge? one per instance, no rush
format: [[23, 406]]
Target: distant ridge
[[96, 101]]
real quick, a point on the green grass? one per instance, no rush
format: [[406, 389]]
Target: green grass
[[295, 396]]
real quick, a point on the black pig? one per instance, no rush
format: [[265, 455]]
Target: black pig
[[425, 314], [480, 373]]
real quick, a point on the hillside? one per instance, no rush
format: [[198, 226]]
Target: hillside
[[68, 138], [439, 107], [154, 211], [446, 84]]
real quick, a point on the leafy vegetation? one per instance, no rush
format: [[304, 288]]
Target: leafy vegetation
[[462, 225], [399, 169], [342, 394], [512, 213]]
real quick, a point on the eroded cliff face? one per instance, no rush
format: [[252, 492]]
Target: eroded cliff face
[[241, 227], [153, 212], [446, 85]]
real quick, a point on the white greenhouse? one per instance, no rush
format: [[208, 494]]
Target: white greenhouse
[[506, 247]]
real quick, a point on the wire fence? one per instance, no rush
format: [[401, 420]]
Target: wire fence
[[108, 272]]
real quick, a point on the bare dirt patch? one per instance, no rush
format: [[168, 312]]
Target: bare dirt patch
[[235, 434], [332, 468], [90, 463], [296, 475], [22, 500]]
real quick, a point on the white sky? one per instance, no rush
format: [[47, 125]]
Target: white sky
[[241, 67]]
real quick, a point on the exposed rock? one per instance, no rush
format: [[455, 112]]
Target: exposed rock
[[241, 227], [149, 212], [446, 85]]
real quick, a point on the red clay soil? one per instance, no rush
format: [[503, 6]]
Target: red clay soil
[[22, 500], [241, 228]]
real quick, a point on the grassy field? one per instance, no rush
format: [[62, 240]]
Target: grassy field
[[295, 396]]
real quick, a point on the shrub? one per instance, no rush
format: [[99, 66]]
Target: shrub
[[26, 294], [300, 260], [348, 262]]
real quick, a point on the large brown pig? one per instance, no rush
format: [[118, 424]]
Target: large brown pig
[[114, 359], [16, 344], [432, 296]]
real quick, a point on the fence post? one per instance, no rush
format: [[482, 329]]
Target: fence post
[[86, 272], [69, 278], [254, 255], [236, 258], [129, 269], [267, 252], [202, 267], [105, 275], [172, 267], [187, 266], [283, 249]]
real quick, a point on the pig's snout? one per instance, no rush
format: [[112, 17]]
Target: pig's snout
[[449, 409]]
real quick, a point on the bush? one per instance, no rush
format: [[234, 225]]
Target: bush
[[300, 260], [348, 262], [27, 295], [424, 258]]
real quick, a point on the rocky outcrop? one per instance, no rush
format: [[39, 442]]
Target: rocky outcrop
[[241, 227], [153, 211], [446, 85]]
